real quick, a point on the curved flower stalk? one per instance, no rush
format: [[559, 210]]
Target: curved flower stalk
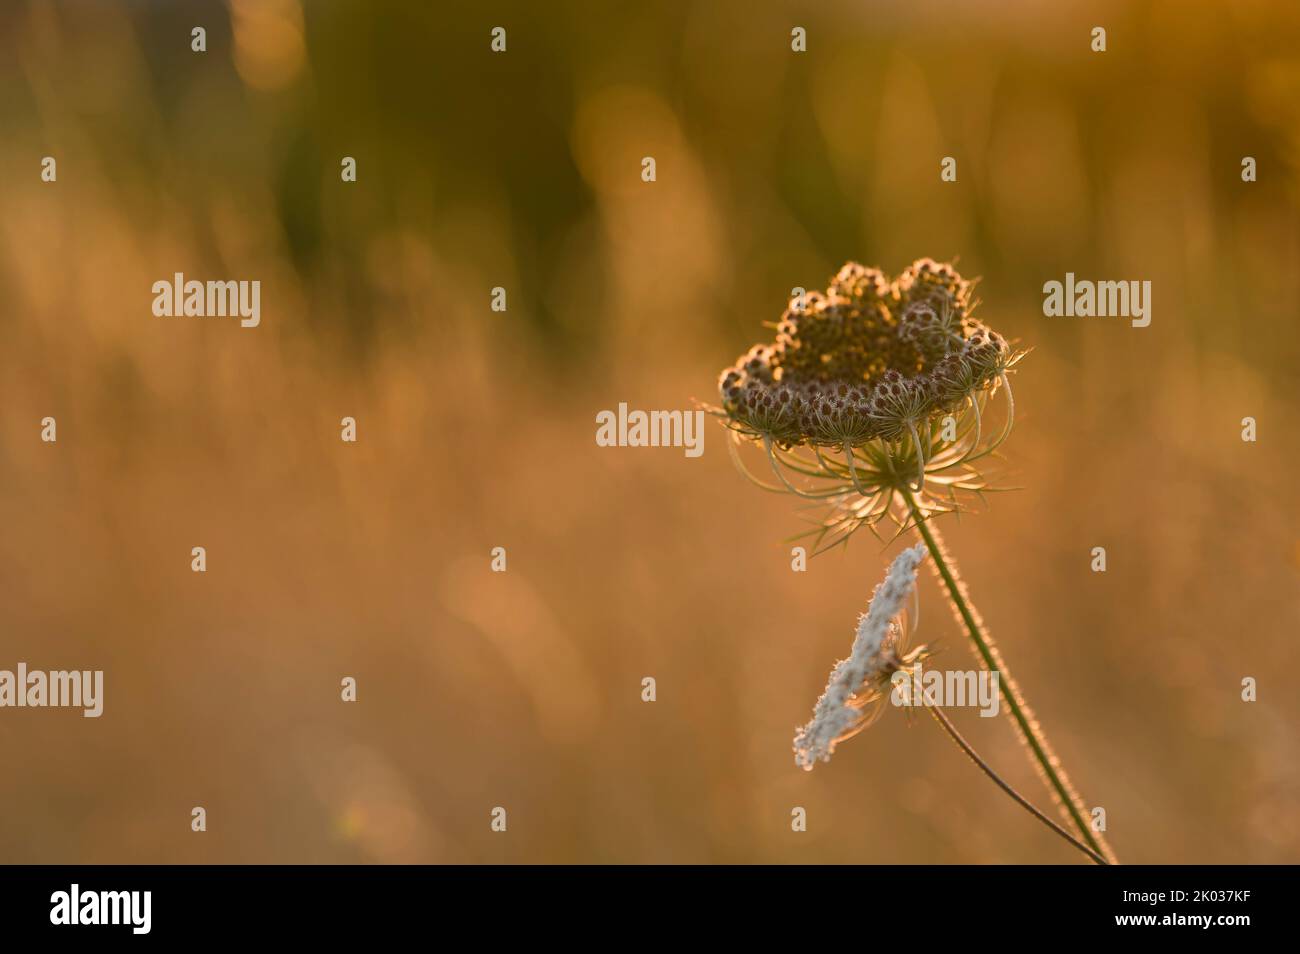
[[875, 402]]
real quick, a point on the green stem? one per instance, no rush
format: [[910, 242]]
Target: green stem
[[1020, 800], [1030, 731]]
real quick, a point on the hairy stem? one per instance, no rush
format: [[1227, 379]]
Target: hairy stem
[[984, 767], [1026, 724]]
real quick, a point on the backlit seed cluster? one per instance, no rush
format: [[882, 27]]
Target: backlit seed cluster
[[869, 359]]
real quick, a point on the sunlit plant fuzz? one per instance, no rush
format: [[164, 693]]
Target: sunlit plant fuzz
[[859, 684]]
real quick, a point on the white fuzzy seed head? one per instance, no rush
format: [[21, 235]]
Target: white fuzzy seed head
[[838, 713]]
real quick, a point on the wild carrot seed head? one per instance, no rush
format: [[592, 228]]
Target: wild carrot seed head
[[875, 396], [868, 359]]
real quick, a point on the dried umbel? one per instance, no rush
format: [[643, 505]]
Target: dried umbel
[[875, 387]]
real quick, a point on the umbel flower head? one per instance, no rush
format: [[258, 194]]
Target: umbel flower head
[[874, 389], [858, 685]]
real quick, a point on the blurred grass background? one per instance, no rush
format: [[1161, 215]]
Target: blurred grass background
[[477, 428]]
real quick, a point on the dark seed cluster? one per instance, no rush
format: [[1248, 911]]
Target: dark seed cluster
[[868, 359]]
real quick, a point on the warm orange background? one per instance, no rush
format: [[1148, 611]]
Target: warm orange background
[[477, 429]]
